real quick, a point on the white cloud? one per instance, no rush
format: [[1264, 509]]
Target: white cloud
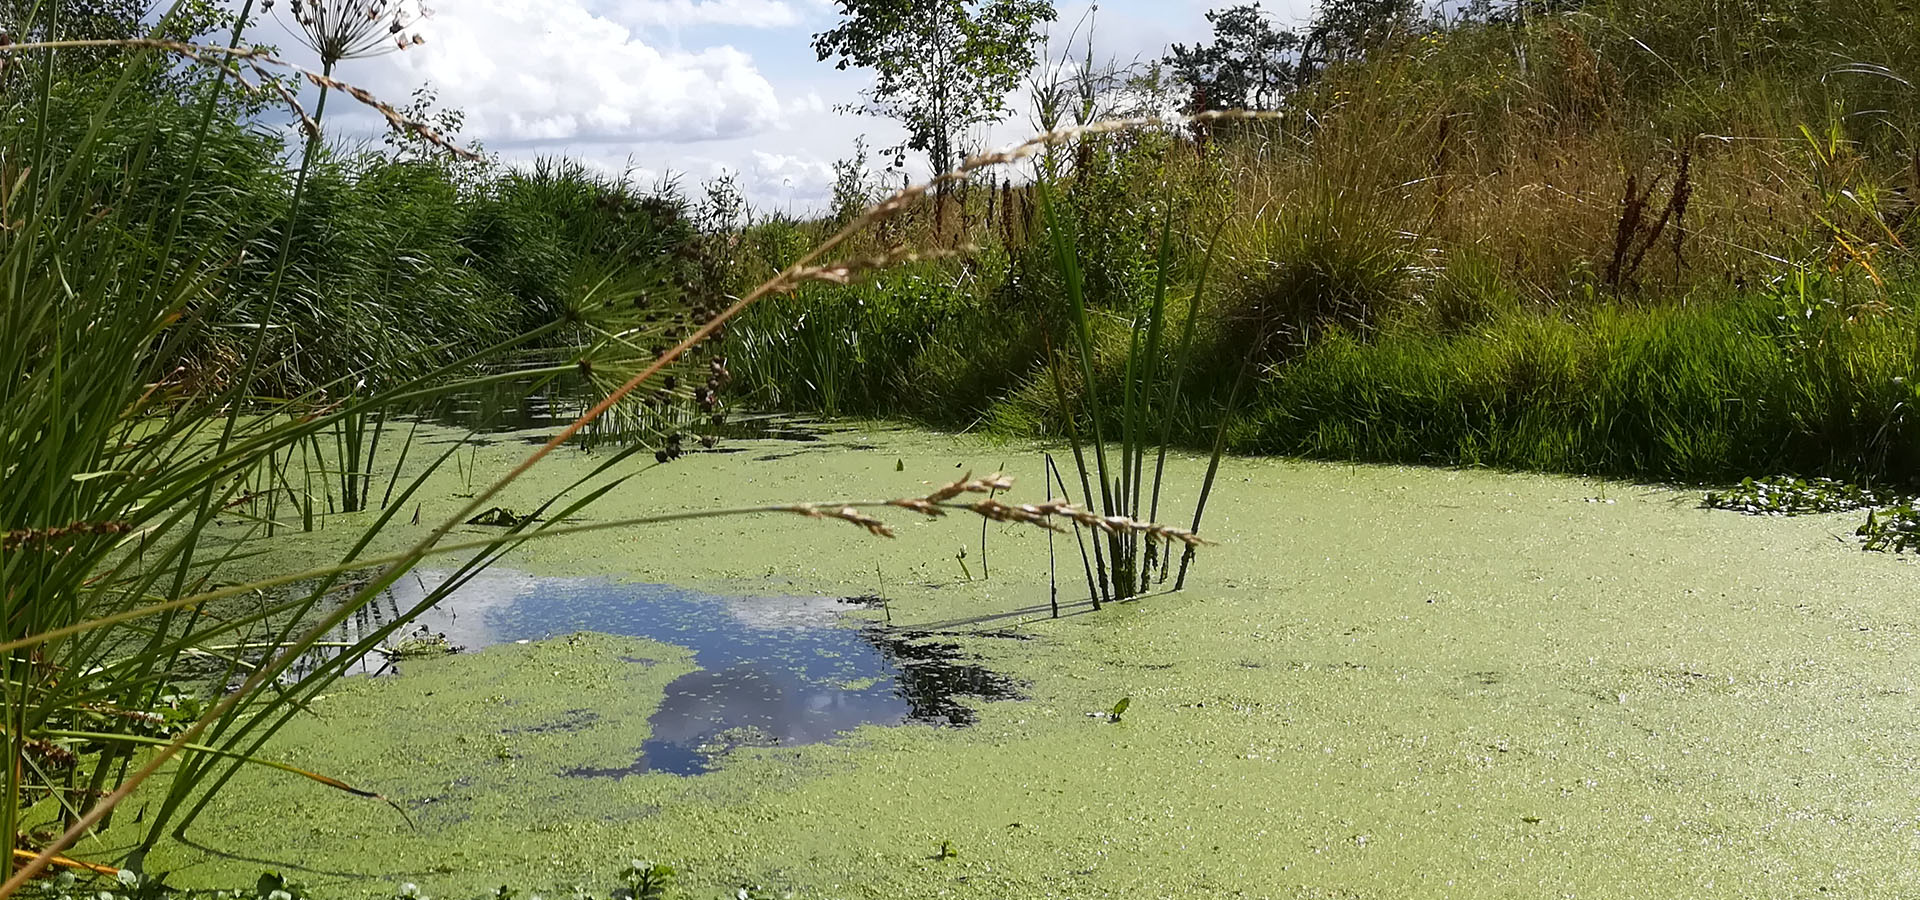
[[774, 174], [808, 107], [634, 86], [686, 13], [550, 70]]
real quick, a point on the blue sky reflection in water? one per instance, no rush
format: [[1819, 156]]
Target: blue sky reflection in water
[[772, 670]]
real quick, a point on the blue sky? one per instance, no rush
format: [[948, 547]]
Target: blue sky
[[695, 87]]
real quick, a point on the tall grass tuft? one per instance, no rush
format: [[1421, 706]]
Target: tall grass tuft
[[1122, 565], [1333, 260]]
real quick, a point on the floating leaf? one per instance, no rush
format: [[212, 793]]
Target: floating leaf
[[1784, 495]]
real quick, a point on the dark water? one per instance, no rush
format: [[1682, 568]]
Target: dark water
[[773, 671], [505, 407]]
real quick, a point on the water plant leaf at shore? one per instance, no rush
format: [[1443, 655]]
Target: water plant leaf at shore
[[1784, 495]]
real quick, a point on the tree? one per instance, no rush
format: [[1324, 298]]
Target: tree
[[1249, 65], [1252, 63], [941, 65], [425, 107], [1346, 30], [29, 21]]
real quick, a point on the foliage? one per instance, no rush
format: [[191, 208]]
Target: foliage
[[123, 468], [1254, 64], [1895, 529], [198, 340], [424, 107], [638, 880], [1348, 30], [941, 66], [1784, 495], [1251, 63], [39, 20], [645, 881], [395, 265], [1430, 243], [131, 885], [854, 188]]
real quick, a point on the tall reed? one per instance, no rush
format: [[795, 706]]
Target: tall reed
[[1128, 564]]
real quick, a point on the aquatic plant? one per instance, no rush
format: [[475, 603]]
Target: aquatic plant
[[1895, 529], [1784, 495], [1892, 524], [645, 881], [127, 884], [1126, 565], [755, 892], [638, 880]]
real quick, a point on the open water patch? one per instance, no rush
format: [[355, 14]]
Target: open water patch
[[773, 671]]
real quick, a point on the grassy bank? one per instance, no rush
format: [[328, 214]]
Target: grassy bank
[[1713, 389], [1584, 241]]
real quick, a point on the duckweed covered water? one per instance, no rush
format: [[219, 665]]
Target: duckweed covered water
[[1384, 682], [773, 670]]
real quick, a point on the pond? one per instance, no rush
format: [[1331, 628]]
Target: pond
[[772, 670], [1381, 682]]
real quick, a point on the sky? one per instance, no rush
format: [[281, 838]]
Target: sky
[[689, 88]]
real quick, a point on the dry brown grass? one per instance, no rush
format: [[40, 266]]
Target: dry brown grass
[[1545, 202]]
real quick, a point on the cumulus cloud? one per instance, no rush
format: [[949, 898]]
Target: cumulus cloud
[[529, 71]]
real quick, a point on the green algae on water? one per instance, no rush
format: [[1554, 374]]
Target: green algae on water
[[1383, 681]]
